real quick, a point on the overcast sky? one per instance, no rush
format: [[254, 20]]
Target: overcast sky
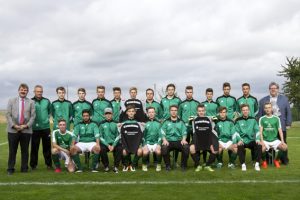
[[139, 43]]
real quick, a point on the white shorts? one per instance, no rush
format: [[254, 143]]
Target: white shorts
[[225, 145], [63, 156], [152, 147], [85, 146], [272, 145]]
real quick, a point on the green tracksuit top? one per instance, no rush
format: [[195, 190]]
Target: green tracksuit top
[[173, 131], [43, 111], [165, 105], [109, 133], [63, 140], [62, 110], [226, 131], [98, 109], [78, 107], [117, 109], [187, 109], [157, 107], [86, 132], [248, 129], [230, 103], [211, 108], [251, 101], [152, 133]]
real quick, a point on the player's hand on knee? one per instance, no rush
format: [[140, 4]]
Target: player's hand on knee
[[183, 142], [165, 142]]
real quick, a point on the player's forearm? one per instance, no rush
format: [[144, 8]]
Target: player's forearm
[[281, 135]]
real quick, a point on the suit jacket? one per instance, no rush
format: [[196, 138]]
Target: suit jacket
[[284, 107], [12, 114]]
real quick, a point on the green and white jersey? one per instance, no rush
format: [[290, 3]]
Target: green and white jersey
[[61, 110], [152, 134], [173, 130], [64, 140], [86, 132], [211, 108], [187, 109], [98, 109], [109, 133], [226, 131], [43, 112], [78, 107], [251, 101], [117, 109], [157, 107], [166, 103], [230, 103], [270, 127], [248, 129]]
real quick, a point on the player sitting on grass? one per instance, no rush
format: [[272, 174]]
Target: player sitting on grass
[[131, 137], [227, 138], [152, 139], [87, 134], [270, 126], [203, 139], [61, 143], [247, 128]]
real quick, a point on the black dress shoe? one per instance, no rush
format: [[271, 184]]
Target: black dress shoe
[[24, 171], [168, 168], [9, 173]]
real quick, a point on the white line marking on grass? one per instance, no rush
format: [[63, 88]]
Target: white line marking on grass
[[4, 143], [293, 137], [55, 183]]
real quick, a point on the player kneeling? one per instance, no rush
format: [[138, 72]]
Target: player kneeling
[[270, 126], [152, 139], [204, 140], [61, 143], [88, 134]]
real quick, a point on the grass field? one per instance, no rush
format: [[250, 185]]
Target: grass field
[[271, 183]]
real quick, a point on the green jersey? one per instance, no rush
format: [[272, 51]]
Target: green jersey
[[211, 108], [64, 140], [173, 131], [230, 103], [78, 107], [226, 131], [98, 109], [117, 109], [152, 134], [43, 111], [251, 101], [270, 127], [157, 107], [187, 109], [248, 129], [109, 133], [166, 103], [62, 110], [86, 132]]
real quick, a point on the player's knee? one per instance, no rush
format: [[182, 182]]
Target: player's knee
[[192, 149], [54, 151], [73, 151], [124, 152], [139, 152]]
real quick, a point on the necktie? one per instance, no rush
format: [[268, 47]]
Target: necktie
[[22, 113]]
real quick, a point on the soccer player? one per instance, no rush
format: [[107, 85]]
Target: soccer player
[[87, 134], [110, 141], [150, 102], [174, 134], [140, 115], [116, 104], [99, 105], [203, 140], [168, 100], [228, 101], [227, 138], [247, 128], [152, 139], [41, 129], [131, 136], [248, 99], [188, 110], [80, 105], [270, 126], [61, 109], [61, 144], [211, 107]]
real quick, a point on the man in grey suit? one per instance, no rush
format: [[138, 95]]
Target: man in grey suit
[[20, 117], [281, 108]]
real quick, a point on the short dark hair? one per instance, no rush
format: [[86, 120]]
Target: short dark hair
[[171, 85], [267, 103], [149, 108], [244, 105], [273, 83], [133, 88], [85, 111], [189, 87], [200, 106], [150, 89], [116, 89], [60, 88], [81, 90], [246, 84], [61, 120], [130, 107], [226, 84], [100, 87], [209, 90], [221, 108], [173, 106], [23, 85]]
